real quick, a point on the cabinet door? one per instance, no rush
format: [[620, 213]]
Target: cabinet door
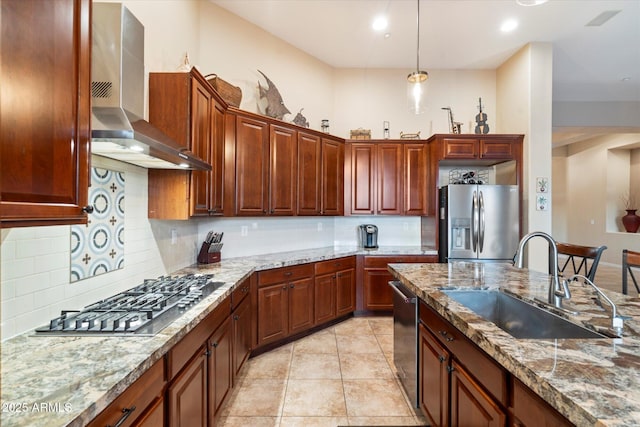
[[220, 367], [153, 417], [300, 305], [433, 383], [363, 172], [201, 133], [530, 410], [415, 180], [252, 166], [282, 170], [460, 148], [217, 160], [241, 334], [325, 298], [496, 149], [273, 315], [389, 175], [188, 394], [46, 112], [470, 404], [378, 295], [345, 292], [309, 174], [332, 177]]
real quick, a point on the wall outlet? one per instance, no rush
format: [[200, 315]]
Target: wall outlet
[[319, 226], [174, 236], [254, 225], [244, 230], [405, 226]]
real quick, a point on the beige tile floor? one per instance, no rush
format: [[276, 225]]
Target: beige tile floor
[[340, 376]]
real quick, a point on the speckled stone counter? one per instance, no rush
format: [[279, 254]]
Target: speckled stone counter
[[59, 381], [592, 382]]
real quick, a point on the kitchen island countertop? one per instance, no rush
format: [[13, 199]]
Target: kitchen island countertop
[[592, 382], [57, 381]]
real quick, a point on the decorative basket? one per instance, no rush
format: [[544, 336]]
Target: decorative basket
[[360, 133], [231, 94]]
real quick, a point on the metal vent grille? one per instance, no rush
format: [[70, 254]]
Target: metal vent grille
[[101, 89]]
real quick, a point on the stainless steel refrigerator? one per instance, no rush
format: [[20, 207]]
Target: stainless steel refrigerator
[[479, 222]]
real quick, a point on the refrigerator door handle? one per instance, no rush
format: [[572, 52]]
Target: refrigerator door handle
[[474, 221], [481, 228]]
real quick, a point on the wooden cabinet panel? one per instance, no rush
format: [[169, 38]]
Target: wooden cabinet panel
[[345, 292], [220, 368], [201, 139], [389, 176], [433, 384], [252, 166], [460, 148], [187, 394], [325, 298], [378, 295], [332, 177], [470, 405], [137, 402], [217, 160], [46, 112], [529, 409], [415, 180], [363, 173], [277, 275], [153, 417], [300, 305], [491, 149], [282, 170], [309, 174], [273, 316], [242, 328]]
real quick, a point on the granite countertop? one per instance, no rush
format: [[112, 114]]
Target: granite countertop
[[590, 381], [58, 381]]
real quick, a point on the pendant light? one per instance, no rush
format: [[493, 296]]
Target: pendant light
[[417, 81]]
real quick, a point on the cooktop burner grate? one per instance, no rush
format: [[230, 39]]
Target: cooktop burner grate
[[145, 309]]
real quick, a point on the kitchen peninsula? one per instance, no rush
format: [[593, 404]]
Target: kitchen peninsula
[[588, 381]]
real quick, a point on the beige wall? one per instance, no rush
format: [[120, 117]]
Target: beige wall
[[524, 99]]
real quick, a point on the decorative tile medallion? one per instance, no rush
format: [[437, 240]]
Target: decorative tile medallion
[[98, 246]]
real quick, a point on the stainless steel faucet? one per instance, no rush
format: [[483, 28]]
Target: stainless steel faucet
[[616, 321], [557, 289]]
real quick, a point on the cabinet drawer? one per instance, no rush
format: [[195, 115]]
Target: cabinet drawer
[[332, 265], [240, 292], [182, 352], [460, 148], [284, 274], [382, 261], [138, 396], [488, 373]]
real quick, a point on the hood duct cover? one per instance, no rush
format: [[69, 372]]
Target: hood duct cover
[[117, 94]]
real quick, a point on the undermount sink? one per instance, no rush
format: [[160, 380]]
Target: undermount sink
[[518, 318]]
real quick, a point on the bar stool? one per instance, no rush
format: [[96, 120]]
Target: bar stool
[[629, 259], [578, 258]]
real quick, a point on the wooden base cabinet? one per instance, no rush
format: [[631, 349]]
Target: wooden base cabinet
[[470, 404], [376, 294], [187, 394], [335, 289], [285, 302], [528, 409], [433, 383], [219, 368]]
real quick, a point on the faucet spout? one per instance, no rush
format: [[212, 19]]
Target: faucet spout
[[557, 289], [616, 321]]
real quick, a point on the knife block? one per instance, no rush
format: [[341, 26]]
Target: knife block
[[206, 257]]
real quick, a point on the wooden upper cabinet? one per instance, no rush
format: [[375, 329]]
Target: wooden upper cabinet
[[185, 107], [389, 186], [475, 147], [46, 112], [282, 170], [416, 179], [309, 174], [252, 166], [332, 177], [387, 178]]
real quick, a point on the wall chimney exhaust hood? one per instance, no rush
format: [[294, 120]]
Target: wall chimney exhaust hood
[[118, 129]]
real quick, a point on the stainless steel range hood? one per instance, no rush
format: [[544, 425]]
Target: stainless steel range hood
[[117, 93]]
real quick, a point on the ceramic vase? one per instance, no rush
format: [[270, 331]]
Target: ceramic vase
[[631, 221]]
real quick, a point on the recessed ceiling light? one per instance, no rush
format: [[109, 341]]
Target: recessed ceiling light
[[530, 2], [509, 25], [387, 35], [380, 23]]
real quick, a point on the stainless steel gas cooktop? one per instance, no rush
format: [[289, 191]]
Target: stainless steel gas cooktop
[[140, 311]]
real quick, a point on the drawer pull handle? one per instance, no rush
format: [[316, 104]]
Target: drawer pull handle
[[442, 358], [125, 414], [288, 274], [449, 339], [443, 333], [89, 209]]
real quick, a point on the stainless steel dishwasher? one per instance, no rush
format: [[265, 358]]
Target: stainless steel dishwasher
[[405, 339]]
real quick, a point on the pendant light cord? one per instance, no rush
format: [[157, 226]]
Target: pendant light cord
[[418, 40]]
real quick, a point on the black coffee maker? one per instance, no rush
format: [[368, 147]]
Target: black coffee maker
[[369, 236]]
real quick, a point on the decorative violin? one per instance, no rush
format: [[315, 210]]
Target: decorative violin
[[481, 120]]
